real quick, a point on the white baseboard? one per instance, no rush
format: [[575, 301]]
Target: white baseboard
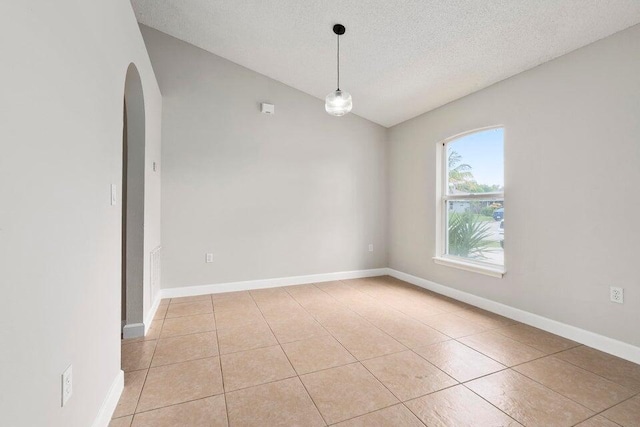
[[110, 402], [269, 283], [133, 330], [152, 313], [591, 339]]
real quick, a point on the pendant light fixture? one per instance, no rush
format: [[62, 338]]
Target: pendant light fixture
[[338, 103]]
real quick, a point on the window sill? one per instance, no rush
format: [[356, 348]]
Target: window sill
[[469, 266]]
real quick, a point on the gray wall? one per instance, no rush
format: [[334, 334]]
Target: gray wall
[[62, 87], [572, 153], [296, 193]]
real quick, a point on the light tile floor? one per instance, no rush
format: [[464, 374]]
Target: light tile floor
[[364, 352]]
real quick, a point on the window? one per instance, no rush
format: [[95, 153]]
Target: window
[[471, 211]]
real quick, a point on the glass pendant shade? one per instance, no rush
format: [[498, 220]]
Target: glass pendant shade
[[338, 103]]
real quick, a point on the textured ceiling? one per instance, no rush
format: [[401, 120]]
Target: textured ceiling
[[399, 58]]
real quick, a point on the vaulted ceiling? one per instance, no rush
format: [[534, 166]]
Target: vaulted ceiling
[[399, 58]]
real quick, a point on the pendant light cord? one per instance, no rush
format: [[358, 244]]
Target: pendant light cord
[[338, 61]]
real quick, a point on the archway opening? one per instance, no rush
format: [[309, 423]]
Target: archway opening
[[133, 177]]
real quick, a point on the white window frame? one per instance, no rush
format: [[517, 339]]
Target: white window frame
[[442, 200]]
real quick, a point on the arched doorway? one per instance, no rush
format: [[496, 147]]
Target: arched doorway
[[133, 175]]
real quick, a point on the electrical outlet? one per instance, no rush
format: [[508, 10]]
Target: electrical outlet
[[617, 294], [67, 385], [209, 258], [370, 247]]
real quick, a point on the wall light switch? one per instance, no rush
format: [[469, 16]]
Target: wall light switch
[[113, 194], [67, 385], [370, 247], [209, 258]]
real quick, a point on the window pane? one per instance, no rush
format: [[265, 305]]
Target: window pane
[[475, 163], [475, 230]]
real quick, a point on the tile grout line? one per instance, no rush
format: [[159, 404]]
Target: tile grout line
[[357, 314], [289, 360], [357, 361], [459, 383], [149, 368], [364, 366], [606, 409], [490, 403], [567, 397], [174, 404], [224, 391], [400, 402]]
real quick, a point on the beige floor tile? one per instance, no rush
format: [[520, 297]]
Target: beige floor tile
[[346, 392], [181, 382], [313, 298], [340, 318], [333, 285], [222, 296], [597, 421], [611, 367], [452, 325], [316, 353], [584, 387], [528, 402], [187, 325], [247, 337], [232, 300], [137, 355], [121, 422], [253, 367], [459, 361], [408, 375], [501, 348], [393, 416], [485, 318], [420, 312], [181, 300], [274, 292], [627, 414], [366, 342], [231, 304], [133, 382], [189, 309], [458, 407], [280, 403], [237, 317], [410, 332], [295, 330], [209, 412], [537, 338], [161, 312], [185, 347], [279, 306], [289, 314], [448, 305], [154, 330]]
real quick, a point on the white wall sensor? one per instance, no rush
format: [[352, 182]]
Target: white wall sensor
[[267, 108]]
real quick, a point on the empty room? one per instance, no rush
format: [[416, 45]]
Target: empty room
[[306, 213]]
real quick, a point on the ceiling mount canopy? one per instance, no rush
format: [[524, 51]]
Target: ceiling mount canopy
[[338, 102]]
